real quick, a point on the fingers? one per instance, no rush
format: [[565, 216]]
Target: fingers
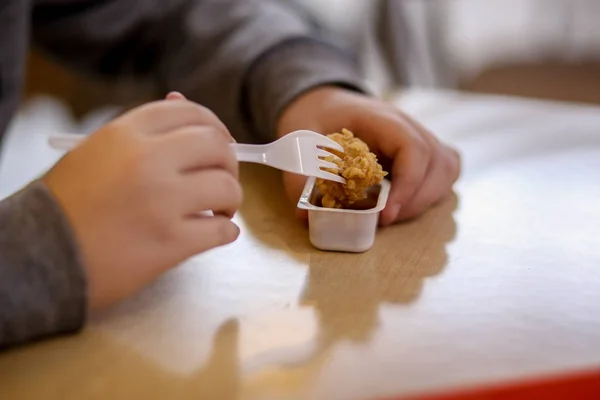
[[181, 97], [198, 147], [202, 233], [443, 172], [210, 189], [168, 115], [423, 169], [412, 158]]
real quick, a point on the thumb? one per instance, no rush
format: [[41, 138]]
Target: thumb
[[180, 97]]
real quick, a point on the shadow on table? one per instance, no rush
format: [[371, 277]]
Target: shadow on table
[[347, 290], [269, 215], [94, 366]]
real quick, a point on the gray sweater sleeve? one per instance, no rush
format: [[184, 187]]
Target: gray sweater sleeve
[[244, 59], [42, 285]]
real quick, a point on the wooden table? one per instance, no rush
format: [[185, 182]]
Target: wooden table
[[499, 283]]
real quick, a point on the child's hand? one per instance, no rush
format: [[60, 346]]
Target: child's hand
[[423, 169], [134, 189]]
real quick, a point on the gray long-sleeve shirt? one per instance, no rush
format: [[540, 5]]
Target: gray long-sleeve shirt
[[244, 59]]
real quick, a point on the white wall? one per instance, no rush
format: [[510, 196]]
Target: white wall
[[478, 33]]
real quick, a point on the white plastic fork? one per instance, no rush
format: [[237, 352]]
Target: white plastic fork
[[298, 152]]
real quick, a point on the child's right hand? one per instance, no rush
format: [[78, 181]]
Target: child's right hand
[[134, 189]]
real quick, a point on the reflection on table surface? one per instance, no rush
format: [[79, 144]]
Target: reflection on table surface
[[500, 281]]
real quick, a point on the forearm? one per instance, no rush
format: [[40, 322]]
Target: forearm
[[287, 72], [245, 60], [42, 284], [266, 56]]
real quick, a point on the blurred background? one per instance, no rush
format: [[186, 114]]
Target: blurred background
[[535, 48]]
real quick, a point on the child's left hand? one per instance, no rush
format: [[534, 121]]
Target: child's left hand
[[423, 170]]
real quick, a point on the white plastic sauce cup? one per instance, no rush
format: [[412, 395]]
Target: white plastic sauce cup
[[334, 229]]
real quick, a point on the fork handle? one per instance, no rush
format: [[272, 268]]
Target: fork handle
[[250, 153], [244, 152]]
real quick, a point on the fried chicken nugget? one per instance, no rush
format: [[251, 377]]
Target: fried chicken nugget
[[358, 165]]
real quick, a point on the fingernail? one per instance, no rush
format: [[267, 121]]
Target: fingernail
[[175, 96]]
